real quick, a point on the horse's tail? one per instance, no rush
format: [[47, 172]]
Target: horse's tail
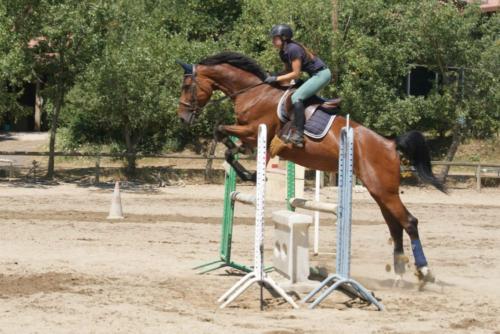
[[414, 147]]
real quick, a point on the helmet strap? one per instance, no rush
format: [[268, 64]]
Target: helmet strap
[[284, 42]]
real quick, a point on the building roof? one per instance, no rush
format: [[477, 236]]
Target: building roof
[[487, 5]]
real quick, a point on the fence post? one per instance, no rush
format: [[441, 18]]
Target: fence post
[[210, 159], [11, 171], [97, 169], [478, 177]]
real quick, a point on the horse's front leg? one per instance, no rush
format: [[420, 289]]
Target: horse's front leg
[[222, 133], [245, 133]]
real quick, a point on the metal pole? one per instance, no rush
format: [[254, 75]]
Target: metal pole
[[316, 213], [290, 184], [257, 275], [341, 279]]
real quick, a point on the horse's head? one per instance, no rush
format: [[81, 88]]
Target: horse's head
[[196, 91]]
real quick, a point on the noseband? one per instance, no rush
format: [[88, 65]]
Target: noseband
[[192, 106]]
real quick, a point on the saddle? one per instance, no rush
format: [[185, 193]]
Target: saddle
[[320, 114], [327, 105], [330, 106]]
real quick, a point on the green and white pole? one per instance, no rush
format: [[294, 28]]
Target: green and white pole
[[227, 228]]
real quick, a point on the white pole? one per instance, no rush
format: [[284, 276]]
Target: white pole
[[316, 213], [259, 202], [257, 275]]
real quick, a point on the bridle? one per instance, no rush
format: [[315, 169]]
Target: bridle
[[193, 106]]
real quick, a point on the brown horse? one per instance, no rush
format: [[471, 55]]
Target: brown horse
[[376, 159]]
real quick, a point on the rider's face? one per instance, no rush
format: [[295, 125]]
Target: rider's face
[[277, 42]]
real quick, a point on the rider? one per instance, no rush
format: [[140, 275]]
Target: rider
[[298, 58]]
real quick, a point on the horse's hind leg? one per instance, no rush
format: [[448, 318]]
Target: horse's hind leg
[[377, 164], [394, 211], [400, 259]]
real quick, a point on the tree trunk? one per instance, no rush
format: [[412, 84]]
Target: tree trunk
[[131, 165], [456, 138], [210, 160], [53, 131], [335, 15], [131, 154], [335, 27], [38, 108]]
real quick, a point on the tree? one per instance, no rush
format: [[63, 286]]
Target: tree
[[121, 55], [376, 43], [127, 98], [54, 41], [386, 39], [12, 63]]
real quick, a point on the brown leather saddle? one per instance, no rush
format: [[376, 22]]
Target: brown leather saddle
[[319, 114], [327, 105], [330, 106]]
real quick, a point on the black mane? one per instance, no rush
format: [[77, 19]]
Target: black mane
[[237, 60]]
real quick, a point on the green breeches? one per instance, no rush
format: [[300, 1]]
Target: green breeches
[[313, 85]]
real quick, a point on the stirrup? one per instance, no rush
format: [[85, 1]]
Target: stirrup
[[297, 141]]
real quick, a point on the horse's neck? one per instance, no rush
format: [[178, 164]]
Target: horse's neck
[[230, 79], [255, 103]]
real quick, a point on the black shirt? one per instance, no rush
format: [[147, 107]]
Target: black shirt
[[293, 51]]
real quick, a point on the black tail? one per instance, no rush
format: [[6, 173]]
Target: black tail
[[414, 147]]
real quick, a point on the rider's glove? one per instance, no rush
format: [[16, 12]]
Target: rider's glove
[[271, 79]]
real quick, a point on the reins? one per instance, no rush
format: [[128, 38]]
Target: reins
[[239, 92], [193, 105]]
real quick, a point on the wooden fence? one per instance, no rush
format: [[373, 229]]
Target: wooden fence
[[479, 167]]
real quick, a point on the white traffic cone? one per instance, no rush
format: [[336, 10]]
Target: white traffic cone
[[115, 212]]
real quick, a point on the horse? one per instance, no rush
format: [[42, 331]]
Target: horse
[[376, 158]]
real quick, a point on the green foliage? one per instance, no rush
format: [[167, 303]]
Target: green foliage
[[385, 39], [129, 95], [12, 67], [118, 61]]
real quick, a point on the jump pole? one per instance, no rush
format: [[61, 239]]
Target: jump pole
[[258, 275], [290, 195], [316, 213], [226, 228], [341, 279]]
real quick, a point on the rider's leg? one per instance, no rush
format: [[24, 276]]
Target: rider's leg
[[299, 118], [314, 84]]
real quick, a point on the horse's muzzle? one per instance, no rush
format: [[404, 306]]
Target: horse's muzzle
[[187, 117]]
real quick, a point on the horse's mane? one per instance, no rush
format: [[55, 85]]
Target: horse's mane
[[237, 60]]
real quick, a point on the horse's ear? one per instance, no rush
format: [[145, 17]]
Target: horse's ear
[[188, 68]]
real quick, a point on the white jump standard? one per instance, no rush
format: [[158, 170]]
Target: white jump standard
[[341, 279], [257, 275]]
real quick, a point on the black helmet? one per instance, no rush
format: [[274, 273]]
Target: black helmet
[[282, 30]]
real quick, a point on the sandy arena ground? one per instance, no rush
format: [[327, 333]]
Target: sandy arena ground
[[65, 269]]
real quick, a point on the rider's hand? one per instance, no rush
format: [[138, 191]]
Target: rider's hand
[[271, 79]]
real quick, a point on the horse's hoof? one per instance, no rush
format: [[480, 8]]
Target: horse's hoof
[[398, 281], [253, 177], [425, 276], [400, 261]]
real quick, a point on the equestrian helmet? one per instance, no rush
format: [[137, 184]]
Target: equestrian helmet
[[282, 30]]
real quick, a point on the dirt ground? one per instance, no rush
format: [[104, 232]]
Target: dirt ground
[[65, 269]]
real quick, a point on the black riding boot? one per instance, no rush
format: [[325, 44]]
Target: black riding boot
[[297, 137]]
